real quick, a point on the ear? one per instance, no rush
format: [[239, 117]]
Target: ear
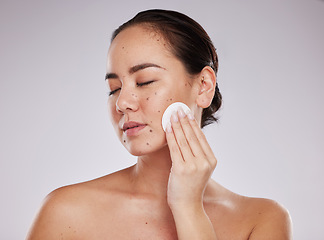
[[206, 83]]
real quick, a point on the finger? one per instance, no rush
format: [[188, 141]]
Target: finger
[[202, 140], [190, 135], [181, 138], [175, 152]]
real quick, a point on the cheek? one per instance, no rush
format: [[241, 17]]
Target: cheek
[[156, 103], [111, 106]]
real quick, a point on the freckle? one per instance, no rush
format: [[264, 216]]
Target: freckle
[[170, 99], [155, 93], [147, 98], [159, 111], [147, 144], [124, 141], [186, 85], [151, 130]]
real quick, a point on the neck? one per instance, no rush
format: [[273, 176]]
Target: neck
[[151, 173]]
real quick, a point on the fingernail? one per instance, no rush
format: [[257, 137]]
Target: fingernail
[[175, 117], [181, 113], [190, 116], [168, 128]]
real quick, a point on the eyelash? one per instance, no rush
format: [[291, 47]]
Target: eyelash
[[137, 84], [113, 92], [144, 83]]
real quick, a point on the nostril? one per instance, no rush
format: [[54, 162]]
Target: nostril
[[119, 107], [125, 106], [118, 110], [127, 100]]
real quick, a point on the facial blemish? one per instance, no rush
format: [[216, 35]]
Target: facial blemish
[[147, 144], [124, 141], [159, 111], [155, 93], [189, 84], [151, 130], [147, 98]]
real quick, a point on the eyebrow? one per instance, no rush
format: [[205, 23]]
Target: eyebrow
[[134, 69]]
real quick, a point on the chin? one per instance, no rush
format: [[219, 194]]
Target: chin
[[140, 148]]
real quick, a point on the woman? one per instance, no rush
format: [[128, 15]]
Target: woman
[[157, 58]]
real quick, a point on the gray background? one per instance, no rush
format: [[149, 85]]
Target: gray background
[[55, 129]]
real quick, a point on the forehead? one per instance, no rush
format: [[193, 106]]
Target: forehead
[[136, 33], [138, 44]]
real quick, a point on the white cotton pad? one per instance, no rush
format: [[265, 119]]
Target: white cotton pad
[[171, 109]]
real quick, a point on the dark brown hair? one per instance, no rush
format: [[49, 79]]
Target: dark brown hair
[[188, 41]]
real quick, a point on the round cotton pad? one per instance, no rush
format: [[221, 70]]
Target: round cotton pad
[[172, 108]]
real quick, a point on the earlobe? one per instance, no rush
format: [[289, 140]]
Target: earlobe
[[207, 84]]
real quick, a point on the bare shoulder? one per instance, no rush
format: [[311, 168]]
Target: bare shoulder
[[273, 220], [63, 211], [55, 216], [239, 217]]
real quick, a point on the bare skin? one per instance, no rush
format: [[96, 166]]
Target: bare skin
[[119, 207], [168, 193]]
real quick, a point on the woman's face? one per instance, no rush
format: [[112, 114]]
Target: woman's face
[[144, 78]]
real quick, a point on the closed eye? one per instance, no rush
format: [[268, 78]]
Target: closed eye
[[137, 84], [144, 83], [113, 91]]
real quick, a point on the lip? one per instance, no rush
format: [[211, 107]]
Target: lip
[[131, 128]]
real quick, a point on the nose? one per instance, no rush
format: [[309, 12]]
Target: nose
[[127, 101]]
